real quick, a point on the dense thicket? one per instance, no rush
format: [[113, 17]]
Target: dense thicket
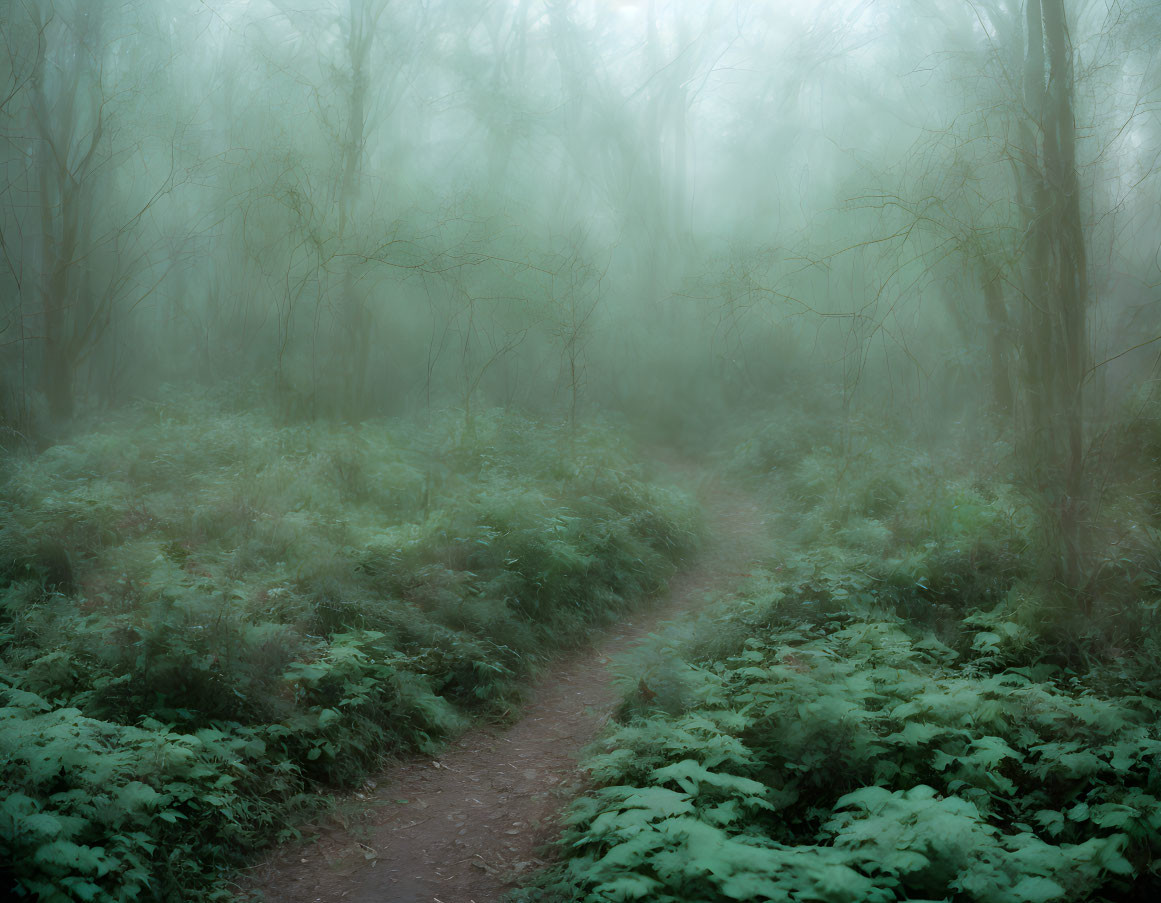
[[886, 710], [209, 620]]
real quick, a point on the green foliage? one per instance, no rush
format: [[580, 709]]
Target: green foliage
[[779, 443], [875, 716], [100, 811], [842, 752], [208, 619]]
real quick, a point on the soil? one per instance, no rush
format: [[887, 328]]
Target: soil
[[465, 828]]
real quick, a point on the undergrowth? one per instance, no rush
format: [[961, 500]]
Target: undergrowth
[[208, 620], [880, 713]]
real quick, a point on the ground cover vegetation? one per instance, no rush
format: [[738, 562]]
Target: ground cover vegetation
[[420, 270], [210, 619], [890, 707]]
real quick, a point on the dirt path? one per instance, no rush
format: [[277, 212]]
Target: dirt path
[[464, 829]]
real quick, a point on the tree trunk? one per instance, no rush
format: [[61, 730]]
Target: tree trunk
[[357, 319], [997, 318], [1055, 345], [58, 382]]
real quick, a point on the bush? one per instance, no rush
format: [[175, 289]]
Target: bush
[[843, 753], [210, 618], [880, 714]]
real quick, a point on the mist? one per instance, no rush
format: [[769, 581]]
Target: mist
[[779, 375]]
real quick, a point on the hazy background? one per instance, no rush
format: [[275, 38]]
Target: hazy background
[[357, 357], [670, 209]]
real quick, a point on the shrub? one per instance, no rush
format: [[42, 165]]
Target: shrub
[[847, 754], [210, 618], [879, 714]]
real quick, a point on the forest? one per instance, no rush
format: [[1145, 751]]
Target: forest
[[535, 451]]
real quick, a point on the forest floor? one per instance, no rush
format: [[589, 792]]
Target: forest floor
[[467, 827]]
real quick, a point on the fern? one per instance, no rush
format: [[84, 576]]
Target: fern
[[188, 673]]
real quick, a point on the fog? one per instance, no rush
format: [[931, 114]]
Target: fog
[[374, 207], [305, 306]]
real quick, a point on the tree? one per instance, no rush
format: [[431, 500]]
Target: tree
[[1034, 249], [81, 230], [1054, 327], [359, 22]]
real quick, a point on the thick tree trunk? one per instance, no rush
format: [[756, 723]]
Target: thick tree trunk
[[1055, 346], [1071, 287]]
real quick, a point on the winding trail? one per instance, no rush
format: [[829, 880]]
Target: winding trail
[[466, 828]]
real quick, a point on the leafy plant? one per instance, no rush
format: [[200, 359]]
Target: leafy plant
[[209, 619], [878, 714]]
